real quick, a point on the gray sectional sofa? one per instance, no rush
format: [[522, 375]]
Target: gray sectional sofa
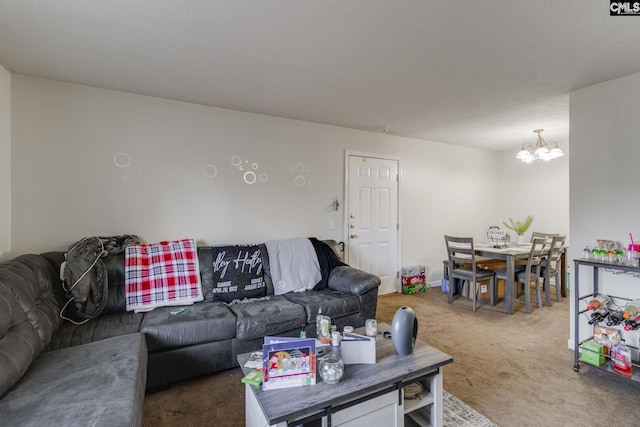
[[95, 373]]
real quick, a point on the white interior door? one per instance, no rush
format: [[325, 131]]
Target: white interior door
[[372, 218]]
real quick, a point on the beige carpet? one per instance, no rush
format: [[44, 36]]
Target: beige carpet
[[516, 370]]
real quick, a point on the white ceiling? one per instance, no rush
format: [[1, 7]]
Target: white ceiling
[[480, 73]]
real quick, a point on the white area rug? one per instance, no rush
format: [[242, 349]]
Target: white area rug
[[457, 413]]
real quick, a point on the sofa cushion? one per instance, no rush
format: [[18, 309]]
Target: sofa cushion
[[116, 300], [70, 334], [333, 303], [28, 314], [270, 316], [16, 352], [352, 280], [205, 260], [199, 323], [97, 384], [237, 273]]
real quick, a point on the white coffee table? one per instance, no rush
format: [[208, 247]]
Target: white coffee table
[[367, 395]]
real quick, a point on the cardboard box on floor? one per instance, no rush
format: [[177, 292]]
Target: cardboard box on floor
[[495, 264], [490, 264]]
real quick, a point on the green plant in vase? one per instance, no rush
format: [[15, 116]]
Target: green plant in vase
[[520, 227]]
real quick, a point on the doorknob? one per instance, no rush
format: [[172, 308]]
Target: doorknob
[[353, 236]]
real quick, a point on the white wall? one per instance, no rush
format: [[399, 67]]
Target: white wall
[[605, 174], [442, 192], [71, 174], [5, 163], [540, 189]]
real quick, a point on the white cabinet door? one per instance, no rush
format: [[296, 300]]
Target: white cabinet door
[[383, 410]]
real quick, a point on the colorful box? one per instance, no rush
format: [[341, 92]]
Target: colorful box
[[413, 275], [414, 279], [414, 289], [592, 353], [608, 337]]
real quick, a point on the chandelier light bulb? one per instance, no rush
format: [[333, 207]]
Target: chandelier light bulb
[[528, 153]]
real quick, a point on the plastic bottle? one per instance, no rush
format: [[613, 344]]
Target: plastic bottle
[[621, 356], [325, 335], [303, 333], [318, 319], [631, 309], [598, 301], [607, 344]]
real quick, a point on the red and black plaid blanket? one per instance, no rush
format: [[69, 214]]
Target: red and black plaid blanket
[[162, 274]]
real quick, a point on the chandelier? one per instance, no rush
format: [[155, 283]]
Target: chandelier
[[541, 151]]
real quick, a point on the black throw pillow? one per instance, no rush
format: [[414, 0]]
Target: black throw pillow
[[237, 273]]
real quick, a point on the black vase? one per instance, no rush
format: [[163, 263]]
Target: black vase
[[404, 329]]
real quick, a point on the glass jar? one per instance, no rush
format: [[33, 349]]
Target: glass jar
[[371, 327], [586, 253], [331, 369], [611, 256]]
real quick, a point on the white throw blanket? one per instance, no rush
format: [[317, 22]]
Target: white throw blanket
[[294, 265]]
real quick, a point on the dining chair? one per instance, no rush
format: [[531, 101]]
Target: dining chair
[[548, 236], [526, 274], [551, 268], [462, 265]]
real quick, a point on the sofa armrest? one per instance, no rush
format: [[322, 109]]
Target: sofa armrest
[[352, 281]]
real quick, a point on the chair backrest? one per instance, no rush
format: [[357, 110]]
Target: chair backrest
[[460, 251], [538, 251], [555, 250], [538, 234]]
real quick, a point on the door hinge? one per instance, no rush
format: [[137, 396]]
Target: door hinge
[[397, 274], [397, 226]]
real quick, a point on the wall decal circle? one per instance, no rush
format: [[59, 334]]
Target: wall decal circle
[[249, 177], [122, 160], [210, 171], [299, 181], [236, 161]]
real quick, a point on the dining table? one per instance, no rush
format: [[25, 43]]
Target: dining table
[[510, 255]]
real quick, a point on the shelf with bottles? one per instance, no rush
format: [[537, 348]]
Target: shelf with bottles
[[616, 334], [605, 311], [611, 267], [614, 310], [613, 355], [609, 252], [608, 365]]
